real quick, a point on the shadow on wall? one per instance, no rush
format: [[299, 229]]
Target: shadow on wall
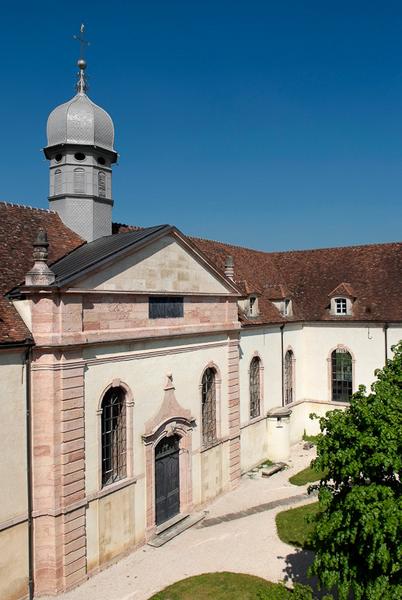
[[297, 564]]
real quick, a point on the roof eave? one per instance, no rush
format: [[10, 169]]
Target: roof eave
[[50, 150]]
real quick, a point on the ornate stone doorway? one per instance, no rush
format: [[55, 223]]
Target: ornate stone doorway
[[167, 479], [168, 456]]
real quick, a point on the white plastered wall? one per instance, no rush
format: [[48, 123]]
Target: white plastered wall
[[143, 367], [13, 491], [312, 345], [264, 342]]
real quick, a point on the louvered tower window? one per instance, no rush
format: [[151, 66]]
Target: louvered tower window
[[208, 393], [255, 389], [102, 184], [342, 380], [57, 182], [79, 181], [114, 451]]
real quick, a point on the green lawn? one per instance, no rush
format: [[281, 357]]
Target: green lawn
[[310, 438], [224, 586], [308, 475], [292, 525]]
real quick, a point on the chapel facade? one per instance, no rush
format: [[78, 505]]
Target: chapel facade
[[144, 371]]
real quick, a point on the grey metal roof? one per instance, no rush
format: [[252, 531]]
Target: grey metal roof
[[80, 121], [96, 252]]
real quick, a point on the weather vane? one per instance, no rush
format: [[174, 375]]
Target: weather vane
[[82, 83], [83, 42]]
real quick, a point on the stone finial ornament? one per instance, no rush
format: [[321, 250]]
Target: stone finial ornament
[[229, 267], [40, 274]]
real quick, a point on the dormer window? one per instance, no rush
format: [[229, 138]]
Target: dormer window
[[341, 306], [342, 299], [253, 306], [287, 307]]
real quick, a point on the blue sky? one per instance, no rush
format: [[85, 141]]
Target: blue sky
[[274, 125]]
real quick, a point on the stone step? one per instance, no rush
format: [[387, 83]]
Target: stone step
[[170, 522], [175, 529], [268, 471]]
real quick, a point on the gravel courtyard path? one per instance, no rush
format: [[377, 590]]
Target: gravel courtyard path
[[238, 534]]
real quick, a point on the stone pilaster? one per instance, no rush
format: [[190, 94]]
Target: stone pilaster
[[58, 471]]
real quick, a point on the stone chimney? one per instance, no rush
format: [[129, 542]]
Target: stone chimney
[[40, 274], [229, 267]]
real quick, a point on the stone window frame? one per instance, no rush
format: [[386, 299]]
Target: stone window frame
[[218, 386], [257, 356], [129, 405], [290, 350], [329, 371]]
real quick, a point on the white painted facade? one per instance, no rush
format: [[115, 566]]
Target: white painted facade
[[13, 493]]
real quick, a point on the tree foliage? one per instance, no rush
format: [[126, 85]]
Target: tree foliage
[[358, 533]]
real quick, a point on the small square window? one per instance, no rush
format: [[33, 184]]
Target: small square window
[[340, 306], [165, 307]]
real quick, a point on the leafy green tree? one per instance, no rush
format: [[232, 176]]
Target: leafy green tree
[[358, 533]]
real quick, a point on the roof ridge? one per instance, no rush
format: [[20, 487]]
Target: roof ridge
[[382, 244], [46, 210]]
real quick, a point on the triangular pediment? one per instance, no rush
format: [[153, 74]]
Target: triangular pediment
[[164, 265], [343, 289]]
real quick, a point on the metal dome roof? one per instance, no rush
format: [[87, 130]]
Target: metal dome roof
[[80, 121]]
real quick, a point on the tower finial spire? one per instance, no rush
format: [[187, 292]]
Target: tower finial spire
[[81, 84]]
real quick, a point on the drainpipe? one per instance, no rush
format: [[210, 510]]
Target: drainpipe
[[28, 414], [386, 341], [282, 327]]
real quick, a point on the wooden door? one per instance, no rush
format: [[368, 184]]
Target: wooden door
[[167, 480]]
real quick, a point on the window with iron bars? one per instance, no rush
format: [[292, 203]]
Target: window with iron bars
[[208, 393], [255, 391], [165, 307], [114, 451], [288, 383], [342, 380]]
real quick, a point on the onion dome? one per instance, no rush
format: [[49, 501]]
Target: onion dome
[[80, 121]]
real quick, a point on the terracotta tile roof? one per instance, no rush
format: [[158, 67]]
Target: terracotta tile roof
[[277, 292], [18, 228], [373, 273]]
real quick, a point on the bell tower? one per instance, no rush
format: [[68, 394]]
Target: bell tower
[[80, 148]]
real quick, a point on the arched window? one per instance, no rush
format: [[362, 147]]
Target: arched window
[[289, 377], [79, 181], [255, 388], [102, 184], [114, 460], [57, 182], [342, 381], [208, 393]]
